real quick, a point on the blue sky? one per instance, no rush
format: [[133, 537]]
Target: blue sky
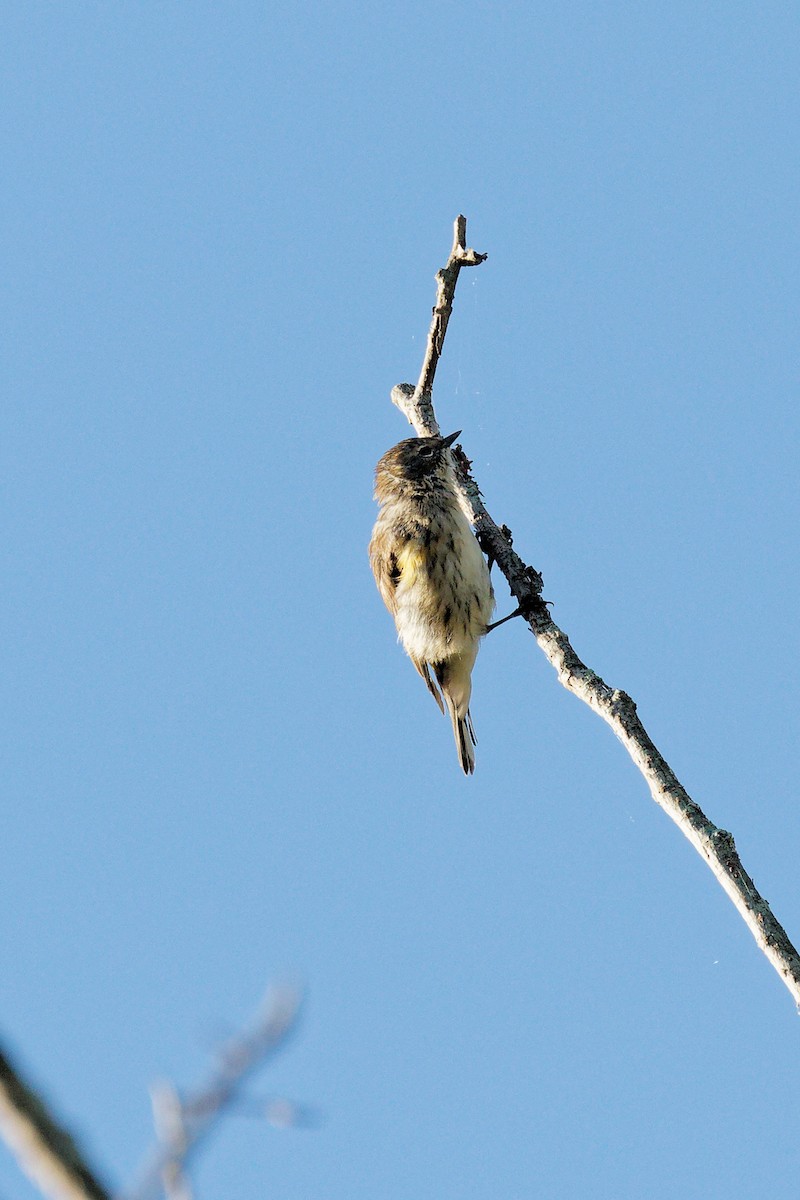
[[221, 226]]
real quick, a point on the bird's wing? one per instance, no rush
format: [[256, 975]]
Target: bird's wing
[[386, 570], [422, 667]]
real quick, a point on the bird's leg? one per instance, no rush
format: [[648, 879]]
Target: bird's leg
[[525, 609], [518, 612]]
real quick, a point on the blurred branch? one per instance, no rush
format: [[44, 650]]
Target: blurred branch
[[44, 1150], [714, 845], [49, 1156], [183, 1123]]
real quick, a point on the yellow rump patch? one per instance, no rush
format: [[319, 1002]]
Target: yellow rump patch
[[410, 560]]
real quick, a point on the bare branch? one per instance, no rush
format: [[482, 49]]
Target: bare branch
[[715, 845], [43, 1148], [446, 281], [183, 1123]]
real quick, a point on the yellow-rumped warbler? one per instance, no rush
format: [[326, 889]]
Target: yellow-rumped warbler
[[432, 575]]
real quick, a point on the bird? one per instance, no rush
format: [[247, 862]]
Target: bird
[[432, 575]]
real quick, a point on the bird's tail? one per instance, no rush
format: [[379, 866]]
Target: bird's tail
[[466, 741], [454, 680]]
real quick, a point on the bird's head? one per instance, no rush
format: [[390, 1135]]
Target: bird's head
[[417, 458]]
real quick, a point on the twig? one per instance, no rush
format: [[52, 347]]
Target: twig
[[446, 280], [715, 845], [44, 1149], [183, 1123]]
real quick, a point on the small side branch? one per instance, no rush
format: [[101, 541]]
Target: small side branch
[[43, 1148], [715, 845], [446, 280]]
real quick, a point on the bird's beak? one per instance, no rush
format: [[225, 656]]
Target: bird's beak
[[448, 441]]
